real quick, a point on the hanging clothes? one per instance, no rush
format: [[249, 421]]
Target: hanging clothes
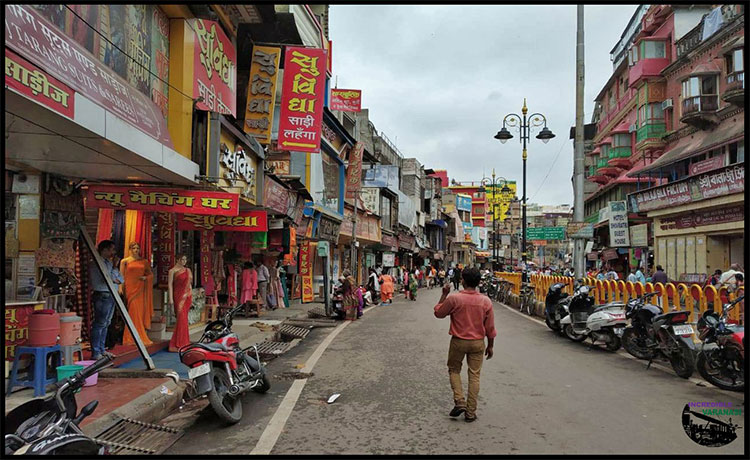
[[58, 253], [231, 286], [118, 232], [104, 226]]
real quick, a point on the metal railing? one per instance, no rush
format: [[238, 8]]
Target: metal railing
[[706, 103], [612, 113], [735, 81]]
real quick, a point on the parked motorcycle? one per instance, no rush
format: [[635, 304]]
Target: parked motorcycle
[[722, 364], [50, 426], [224, 370], [652, 331], [556, 306], [605, 322]]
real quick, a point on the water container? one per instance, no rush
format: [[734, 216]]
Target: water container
[[70, 329], [44, 328], [90, 381], [63, 372]]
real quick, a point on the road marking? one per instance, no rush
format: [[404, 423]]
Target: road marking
[[629, 356], [274, 428]]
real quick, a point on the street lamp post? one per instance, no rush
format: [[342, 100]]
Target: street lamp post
[[494, 183], [524, 124]]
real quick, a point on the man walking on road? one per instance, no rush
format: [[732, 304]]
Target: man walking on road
[[472, 319]]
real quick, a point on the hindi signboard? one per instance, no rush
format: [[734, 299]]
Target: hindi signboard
[[248, 221], [165, 247], [618, 224], [163, 200], [261, 90], [347, 100], [27, 79], [305, 271], [302, 98], [214, 69], [354, 170]]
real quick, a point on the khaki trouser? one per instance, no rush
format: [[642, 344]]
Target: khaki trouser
[[474, 352]]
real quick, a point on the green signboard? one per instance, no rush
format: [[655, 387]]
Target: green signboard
[[545, 233]]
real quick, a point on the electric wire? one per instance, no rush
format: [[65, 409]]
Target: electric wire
[[552, 166]]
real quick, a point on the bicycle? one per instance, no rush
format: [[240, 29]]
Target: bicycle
[[528, 299]]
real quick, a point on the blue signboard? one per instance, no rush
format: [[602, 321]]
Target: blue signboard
[[382, 176], [463, 203]]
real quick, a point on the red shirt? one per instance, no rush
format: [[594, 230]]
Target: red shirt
[[472, 317]]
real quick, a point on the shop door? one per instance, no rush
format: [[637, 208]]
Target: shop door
[[717, 253], [690, 249], [737, 250], [680, 243]]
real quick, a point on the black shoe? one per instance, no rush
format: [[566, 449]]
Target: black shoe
[[469, 419], [457, 411]]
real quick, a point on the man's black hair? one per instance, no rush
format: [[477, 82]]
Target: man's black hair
[[471, 276], [659, 268], [104, 244]]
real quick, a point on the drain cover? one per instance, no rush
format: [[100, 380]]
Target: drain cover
[[129, 437], [269, 350], [287, 332], [317, 312]]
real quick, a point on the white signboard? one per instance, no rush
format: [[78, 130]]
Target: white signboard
[[639, 236], [370, 199], [389, 259], [618, 224]]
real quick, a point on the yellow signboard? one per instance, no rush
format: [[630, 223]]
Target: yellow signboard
[[501, 199], [261, 90]]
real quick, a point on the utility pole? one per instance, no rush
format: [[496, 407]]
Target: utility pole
[[578, 161]]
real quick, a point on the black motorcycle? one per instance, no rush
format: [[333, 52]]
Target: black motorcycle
[[50, 426], [722, 364], [653, 332], [556, 306]]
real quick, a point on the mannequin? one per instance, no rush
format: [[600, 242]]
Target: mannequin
[[137, 289], [180, 289]]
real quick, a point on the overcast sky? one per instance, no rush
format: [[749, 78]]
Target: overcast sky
[[438, 79]]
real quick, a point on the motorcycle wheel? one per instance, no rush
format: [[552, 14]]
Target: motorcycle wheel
[[614, 343], [714, 375], [264, 386], [228, 408], [551, 325], [569, 333], [530, 303], [630, 343], [682, 362]]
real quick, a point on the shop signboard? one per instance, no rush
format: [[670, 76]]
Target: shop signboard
[[369, 197], [368, 227], [305, 271], [389, 259], [719, 182], [163, 200], [36, 39], [354, 170], [261, 90], [592, 256], [280, 166], [206, 238], [276, 196], [29, 80], [406, 241], [463, 202], [580, 230], [545, 233], [707, 165], [248, 221], [703, 217], [384, 176], [390, 241], [165, 247], [328, 229], [618, 224], [609, 254], [347, 100], [302, 98], [214, 69], [639, 236]]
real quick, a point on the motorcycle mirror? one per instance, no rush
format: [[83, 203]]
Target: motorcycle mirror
[[87, 410]]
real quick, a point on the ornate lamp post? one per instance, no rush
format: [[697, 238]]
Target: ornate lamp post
[[524, 125], [493, 182]]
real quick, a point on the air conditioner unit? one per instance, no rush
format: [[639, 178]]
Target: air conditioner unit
[[632, 128], [666, 104]]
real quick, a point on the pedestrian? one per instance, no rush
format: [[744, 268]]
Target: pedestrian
[[413, 285], [600, 275], [263, 278], [441, 276], [103, 300], [631, 277], [349, 301], [728, 278], [639, 276], [659, 276], [713, 280], [456, 277], [373, 285], [386, 287], [612, 274], [472, 319]]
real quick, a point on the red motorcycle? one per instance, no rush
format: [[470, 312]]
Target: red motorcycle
[[220, 368], [722, 364]]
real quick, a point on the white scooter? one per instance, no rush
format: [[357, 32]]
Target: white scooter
[[606, 322]]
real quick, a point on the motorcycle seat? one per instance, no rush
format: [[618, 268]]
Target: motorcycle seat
[[213, 346]]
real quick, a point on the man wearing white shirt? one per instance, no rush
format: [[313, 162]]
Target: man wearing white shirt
[[263, 277]]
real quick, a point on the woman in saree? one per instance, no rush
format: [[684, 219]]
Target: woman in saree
[[413, 284], [181, 297], [138, 293], [386, 288]]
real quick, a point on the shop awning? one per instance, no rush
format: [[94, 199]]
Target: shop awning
[[296, 184], [482, 254], [439, 222], [420, 243]]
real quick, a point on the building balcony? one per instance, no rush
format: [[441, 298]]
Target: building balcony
[[645, 69], [624, 101], [599, 178], [603, 167], [734, 93], [700, 111], [619, 157], [649, 136]]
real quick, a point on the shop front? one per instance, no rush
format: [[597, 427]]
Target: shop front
[[368, 239]]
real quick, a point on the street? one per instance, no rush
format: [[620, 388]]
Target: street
[[540, 394]]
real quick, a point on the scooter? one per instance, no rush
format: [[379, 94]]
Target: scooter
[[605, 322], [556, 306], [50, 426], [722, 364], [223, 370]]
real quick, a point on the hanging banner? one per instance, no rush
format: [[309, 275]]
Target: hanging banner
[[206, 265], [276, 197], [619, 237], [163, 200], [500, 199], [354, 170], [347, 100], [302, 98], [29, 80], [165, 248], [214, 69], [249, 221], [261, 90], [305, 271]]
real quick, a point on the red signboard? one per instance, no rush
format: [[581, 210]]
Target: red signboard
[[707, 165], [163, 200], [389, 240], [206, 264], [275, 196], [347, 100], [703, 217], [609, 254], [165, 250], [305, 271], [302, 98], [61, 56], [214, 69], [29, 80], [354, 170], [248, 221]]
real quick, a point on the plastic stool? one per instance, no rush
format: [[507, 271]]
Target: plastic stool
[[37, 378], [69, 352]]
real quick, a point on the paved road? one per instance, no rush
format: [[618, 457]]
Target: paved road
[[540, 394]]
